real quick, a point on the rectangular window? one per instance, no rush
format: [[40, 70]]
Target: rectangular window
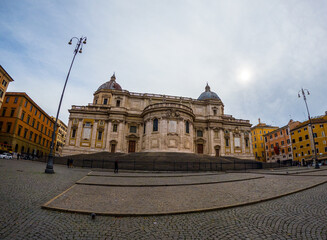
[[306, 136], [299, 131], [33, 122], [282, 143], [40, 139], [114, 128], [304, 129], [199, 133], [39, 115], [270, 136], [293, 140], [286, 131], [31, 135], [35, 112], [22, 117], [272, 145], [31, 108], [255, 145], [265, 139], [7, 99], [1, 93], [132, 129], [74, 133], [12, 113], [37, 125], [288, 141], [16, 100], [314, 135], [275, 134], [99, 135], [105, 101], [325, 149], [246, 142], [281, 133], [4, 83], [8, 127], [118, 103], [19, 130], [300, 139], [35, 137], [25, 103], [227, 142], [4, 112], [41, 127], [25, 133]]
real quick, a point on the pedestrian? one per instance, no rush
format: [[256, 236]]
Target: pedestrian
[[116, 166], [68, 162], [71, 163], [18, 156]]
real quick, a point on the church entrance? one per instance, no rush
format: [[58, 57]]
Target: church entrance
[[131, 146], [200, 148], [217, 152], [113, 148]]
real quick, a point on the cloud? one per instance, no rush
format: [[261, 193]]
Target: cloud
[[173, 48]]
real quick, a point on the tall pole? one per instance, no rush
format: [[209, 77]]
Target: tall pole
[[78, 49], [303, 91]]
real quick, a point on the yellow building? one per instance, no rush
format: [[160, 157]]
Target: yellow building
[[5, 79], [61, 136], [302, 141], [24, 126], [258, 143]]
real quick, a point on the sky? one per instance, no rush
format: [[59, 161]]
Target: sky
[[256, 55]]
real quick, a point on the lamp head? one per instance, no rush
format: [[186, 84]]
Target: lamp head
[[84, 42], [80, 51], [308, 93], [70, 42], [299, 95]]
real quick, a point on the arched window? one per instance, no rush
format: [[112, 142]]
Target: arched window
[[187, 127], [155, 125]]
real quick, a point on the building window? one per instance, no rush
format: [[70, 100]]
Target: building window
[[288, 141], [31, 135], [4, 83], [8, 127], [301, 146], [37, 125], [293, 140], [7, 100], [155, 125], [306, 136], [286, 131], [227, 142], [270, 136], [144, 128], [25, 103], [35, 137], [255, 145], [4, 112], [187, 127], [281, 133], [74, 133], [12, 112], [199, 133], [282, 143], [25, 133], [246, 142], [272, 145], [39, 115], [31, 108], [16, 100], [300, 139], [96, 101], [118, 103], [105, 101], [35, 112], [322, 134], [275, 134], [1, 93], [33, 122], [314, 135], [99, 135], [22, 117], [132, 129], [114, 128], [325, 149], [19, 130], [299, 131], [321, 125]]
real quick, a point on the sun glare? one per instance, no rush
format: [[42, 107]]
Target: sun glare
[[244, 75]]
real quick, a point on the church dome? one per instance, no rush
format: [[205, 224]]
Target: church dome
[[112, 85], [207, 94]]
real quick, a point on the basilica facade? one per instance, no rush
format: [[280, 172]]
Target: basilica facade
[[123, 121]]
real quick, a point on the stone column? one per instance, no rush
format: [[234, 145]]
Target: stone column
[[222, 142], [243, 142], [108, 134], [94, 134], [231, 136], [209, 141], [121, 140], [79, 132], [69, 128], [250, 142]]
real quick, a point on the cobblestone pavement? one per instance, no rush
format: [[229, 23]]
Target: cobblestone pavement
[[24, 188]]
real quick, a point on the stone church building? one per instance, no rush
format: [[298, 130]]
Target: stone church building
[[123, 121]]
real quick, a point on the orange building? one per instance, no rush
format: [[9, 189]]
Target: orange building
[[24, 126], [5, 79], [258, 143], [278, 144]]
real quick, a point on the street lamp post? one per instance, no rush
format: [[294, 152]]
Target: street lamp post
[[303, 91], [78, 49]]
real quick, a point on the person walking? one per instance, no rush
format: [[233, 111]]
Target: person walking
[[116, 166]]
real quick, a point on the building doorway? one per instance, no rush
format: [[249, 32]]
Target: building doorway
[[200, 148], [131, 146], [217, 152], [113, 148]]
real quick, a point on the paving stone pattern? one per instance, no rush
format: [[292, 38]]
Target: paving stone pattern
[[24, 188]]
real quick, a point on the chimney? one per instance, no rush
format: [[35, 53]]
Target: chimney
[[260, 122]]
